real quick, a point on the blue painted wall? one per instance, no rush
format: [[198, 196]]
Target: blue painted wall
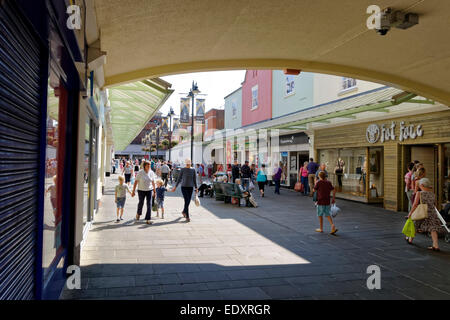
[[235, 98], [300, 98]]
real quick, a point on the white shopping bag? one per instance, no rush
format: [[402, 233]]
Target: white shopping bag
[[334, 210], [197, 201]]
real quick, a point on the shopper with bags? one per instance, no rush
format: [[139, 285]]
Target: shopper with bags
[[324, 188], [424, 210]]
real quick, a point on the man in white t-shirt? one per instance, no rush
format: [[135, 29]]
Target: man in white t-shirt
[[145, 183]]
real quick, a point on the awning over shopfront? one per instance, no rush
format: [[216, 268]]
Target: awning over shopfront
[[359, 107], [132, 107]]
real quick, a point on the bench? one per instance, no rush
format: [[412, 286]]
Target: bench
[[226, 191]]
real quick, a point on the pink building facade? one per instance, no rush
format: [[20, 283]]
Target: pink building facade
[[256, 96]]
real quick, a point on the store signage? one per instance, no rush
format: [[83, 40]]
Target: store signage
[[383, 133], [297, 138]]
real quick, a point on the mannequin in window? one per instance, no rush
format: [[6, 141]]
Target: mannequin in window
[[339, 171]]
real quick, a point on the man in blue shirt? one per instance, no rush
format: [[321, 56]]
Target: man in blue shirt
[[312, 169]]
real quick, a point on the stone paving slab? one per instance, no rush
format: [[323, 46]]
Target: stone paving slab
[[269, 252]]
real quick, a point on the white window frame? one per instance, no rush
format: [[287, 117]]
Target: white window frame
[[252, 106], [348, 84], [234, 109], [288, 85]]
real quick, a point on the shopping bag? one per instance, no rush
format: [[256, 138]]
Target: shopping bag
[[334, 210], [251, 186], [197, 201], [315, 196], [253, 201], [154, 205], [408, 229], [421, 212], [298, 187]]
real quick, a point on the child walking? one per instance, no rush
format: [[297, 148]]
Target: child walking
[[324, 188], [121, 196], [160, 193]]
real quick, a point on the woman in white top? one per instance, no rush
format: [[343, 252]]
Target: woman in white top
[[145, 182]]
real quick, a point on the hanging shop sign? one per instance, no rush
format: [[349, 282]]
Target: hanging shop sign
[[386, 133]]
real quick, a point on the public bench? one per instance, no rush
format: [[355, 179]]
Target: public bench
[[226, 191]]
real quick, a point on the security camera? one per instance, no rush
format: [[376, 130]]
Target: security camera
[[398, 19]]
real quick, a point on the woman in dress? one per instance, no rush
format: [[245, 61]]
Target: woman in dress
[[431, 224]]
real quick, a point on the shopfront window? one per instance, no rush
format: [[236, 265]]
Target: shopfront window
[[86, 171], [54, 157], [376, 173], [446, 182], [346, 170], [284, 167]]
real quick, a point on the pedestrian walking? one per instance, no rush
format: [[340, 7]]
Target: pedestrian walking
[[261, 178], [323, 188], [235, 171], [277, 177], [432, 224], [160, 194], [246, 175], [127, 171], [188, 181], [303, 174], [145, 183], [121, 196], [322, 168], [408, 184], [165, 170], [200, 173], [312, 169]]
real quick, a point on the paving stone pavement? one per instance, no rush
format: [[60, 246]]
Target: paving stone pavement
[[269, 252]]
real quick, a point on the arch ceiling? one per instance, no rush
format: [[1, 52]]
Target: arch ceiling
[[145, 39]]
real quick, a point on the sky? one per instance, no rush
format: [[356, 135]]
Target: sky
[[216, 85]]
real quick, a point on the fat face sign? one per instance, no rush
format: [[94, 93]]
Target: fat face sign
[[386, 133]]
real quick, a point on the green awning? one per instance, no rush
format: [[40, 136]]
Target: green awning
[[132, 107]]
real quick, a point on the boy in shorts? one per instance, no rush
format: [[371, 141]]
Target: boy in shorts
[[160, 193], [323, 188], [120, 196]]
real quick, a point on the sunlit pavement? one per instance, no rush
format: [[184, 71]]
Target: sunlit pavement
[[269, 252]]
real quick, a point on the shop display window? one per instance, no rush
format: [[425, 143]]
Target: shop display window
[[376, 166], [446, 181], [346, 169], [54, 158]]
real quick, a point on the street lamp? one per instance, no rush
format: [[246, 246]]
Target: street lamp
[[192, 93], [170, 115]]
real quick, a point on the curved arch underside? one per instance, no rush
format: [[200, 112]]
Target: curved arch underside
[[146, 39]]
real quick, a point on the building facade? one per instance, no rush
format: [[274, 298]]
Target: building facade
[[233, 109]]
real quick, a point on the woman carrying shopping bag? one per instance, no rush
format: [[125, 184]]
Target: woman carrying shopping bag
[[431, 223]]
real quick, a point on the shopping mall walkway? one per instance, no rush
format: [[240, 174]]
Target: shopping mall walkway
[[270, 252]]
